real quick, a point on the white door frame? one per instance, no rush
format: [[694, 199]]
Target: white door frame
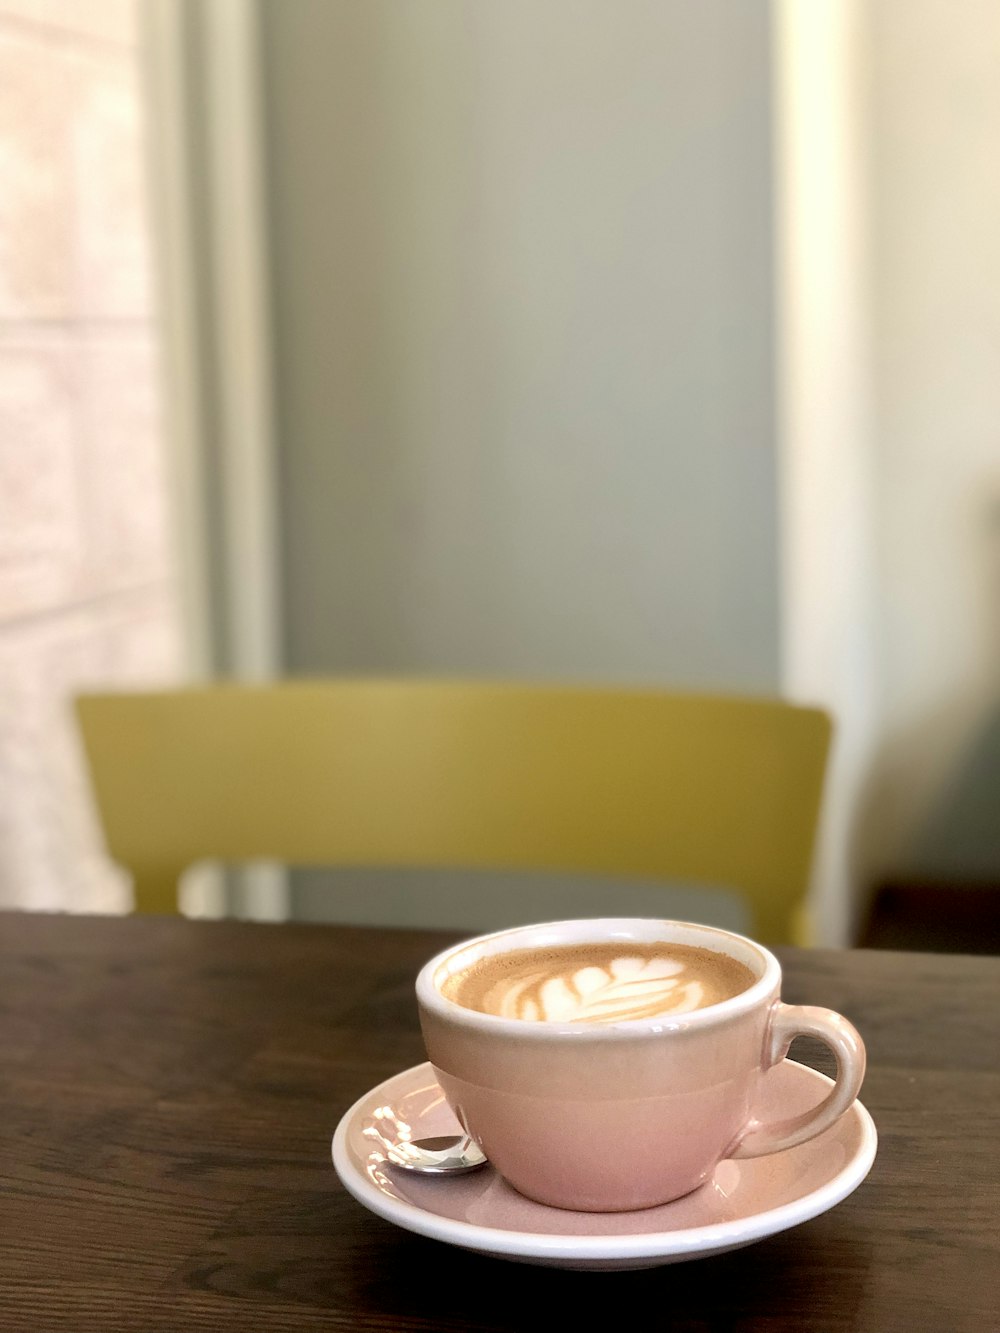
[[206, 155], [824, 411], [205, 54]]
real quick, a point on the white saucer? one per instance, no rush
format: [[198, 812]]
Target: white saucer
[[744, 1202]]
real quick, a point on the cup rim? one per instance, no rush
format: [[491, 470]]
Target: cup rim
[[767, 985]]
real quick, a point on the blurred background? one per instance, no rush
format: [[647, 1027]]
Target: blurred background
[[647, 341]]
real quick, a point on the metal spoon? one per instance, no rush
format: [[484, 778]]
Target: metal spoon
[[449, 1155]]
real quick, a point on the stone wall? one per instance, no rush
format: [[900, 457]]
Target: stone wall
[[87, 587]]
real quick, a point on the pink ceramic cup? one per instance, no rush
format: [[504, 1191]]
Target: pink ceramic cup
[[607, 1118]]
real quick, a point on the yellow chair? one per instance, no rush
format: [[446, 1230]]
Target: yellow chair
[[626, 782]]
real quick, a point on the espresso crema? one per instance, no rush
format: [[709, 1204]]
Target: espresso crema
[[597, 983]]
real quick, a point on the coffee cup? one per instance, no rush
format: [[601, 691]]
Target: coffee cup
[[608, 1065]]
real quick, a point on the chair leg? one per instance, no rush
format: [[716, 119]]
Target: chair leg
[[155, 890]]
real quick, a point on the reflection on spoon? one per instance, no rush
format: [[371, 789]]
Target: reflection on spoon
[[447, 1155]]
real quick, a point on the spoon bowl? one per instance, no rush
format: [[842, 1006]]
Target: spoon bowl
[[445, 1155]]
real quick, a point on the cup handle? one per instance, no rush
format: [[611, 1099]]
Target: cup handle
[[805, 1020]]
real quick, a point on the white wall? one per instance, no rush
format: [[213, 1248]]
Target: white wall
[[935, 121], [522, 261]]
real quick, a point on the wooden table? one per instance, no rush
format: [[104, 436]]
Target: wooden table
[[168, 1091]]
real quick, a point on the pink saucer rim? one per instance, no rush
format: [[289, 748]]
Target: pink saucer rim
[[684, 1241]]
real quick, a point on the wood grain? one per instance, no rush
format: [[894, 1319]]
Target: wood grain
[[168, 1090]]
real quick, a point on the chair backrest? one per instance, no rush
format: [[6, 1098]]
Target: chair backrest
[[627, 782]]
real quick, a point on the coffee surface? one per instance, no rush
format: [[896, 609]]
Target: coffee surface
[[598, 983]]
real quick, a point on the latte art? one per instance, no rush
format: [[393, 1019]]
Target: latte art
[[598, 983], [627, 987]]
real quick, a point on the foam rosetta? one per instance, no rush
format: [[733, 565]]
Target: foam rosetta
[[597, 983]]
